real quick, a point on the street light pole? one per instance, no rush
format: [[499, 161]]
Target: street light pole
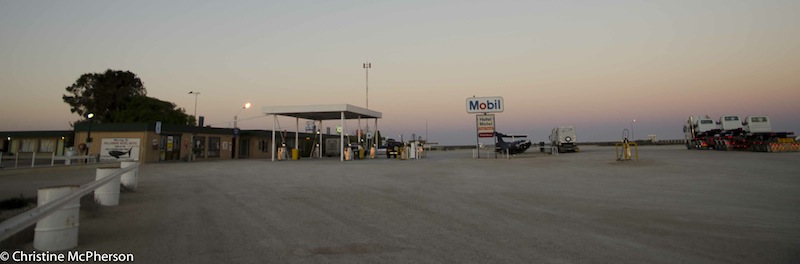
[[367, 66], [196, 124], [632, 135], [235, 135], [195, 105], [88, 135]]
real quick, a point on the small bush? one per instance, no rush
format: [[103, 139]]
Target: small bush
[[16, 202]]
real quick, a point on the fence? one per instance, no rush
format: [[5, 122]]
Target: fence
[[33, 158], [57, 214]]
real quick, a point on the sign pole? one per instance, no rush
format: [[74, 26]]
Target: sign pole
[[477, 137]]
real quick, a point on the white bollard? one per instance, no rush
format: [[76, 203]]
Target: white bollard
[[130, 179], [108, 194], [59, 230]]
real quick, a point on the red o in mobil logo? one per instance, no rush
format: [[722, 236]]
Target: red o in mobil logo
[[484, 104]]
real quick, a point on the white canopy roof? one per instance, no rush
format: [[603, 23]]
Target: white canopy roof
[[322, 112]]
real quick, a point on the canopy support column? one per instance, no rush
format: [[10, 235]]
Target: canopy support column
[[274, 120], [341, 138]]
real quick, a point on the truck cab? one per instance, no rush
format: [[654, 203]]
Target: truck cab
[[704, 125], [729, 123], [757, 124]]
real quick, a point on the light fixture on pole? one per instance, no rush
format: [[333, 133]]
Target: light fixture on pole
[[236, 117], [632, 135], [195, 105]]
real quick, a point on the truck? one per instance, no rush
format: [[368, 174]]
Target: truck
[[393, 148], [564, 138], [731, 132], [699, 132]]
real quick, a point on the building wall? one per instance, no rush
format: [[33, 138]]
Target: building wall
[[44, 145], [97, 141], [259, 147], [222, 145], [155, 147]]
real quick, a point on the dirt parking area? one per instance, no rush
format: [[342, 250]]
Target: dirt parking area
[[672, 205]]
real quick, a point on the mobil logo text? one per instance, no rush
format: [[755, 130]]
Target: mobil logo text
[[485, 105]]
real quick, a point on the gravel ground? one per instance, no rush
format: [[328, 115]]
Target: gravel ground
[[671, 206]]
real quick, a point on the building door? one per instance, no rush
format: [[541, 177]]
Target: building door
[[199, 147], [170, 148], [5, 146], [244, 148]]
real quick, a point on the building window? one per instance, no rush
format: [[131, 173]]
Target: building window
[[213, 147], [263, 145], [47, 145], [28, 145]]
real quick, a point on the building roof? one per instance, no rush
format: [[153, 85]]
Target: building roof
[[167, 128], [36, 134], [322, 112]]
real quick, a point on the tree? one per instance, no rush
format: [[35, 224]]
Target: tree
[[103, 93], [147, 109], [120, 97]]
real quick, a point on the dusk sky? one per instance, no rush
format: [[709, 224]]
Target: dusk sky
[[595, 65]]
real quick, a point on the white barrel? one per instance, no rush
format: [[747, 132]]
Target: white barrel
[[130, 179], [59, 230], [108, 194]]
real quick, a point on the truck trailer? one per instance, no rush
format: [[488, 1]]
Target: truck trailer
[[753, 133], [564, 138]]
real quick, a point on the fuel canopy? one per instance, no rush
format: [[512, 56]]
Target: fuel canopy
[[319, 113]]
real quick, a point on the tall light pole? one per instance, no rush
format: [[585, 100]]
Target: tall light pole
[[632, 135], [196, 124], [195, 105], [367, 66], [236, 133], [88, 136]]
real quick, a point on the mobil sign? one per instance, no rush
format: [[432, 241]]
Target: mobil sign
[[484, 105]]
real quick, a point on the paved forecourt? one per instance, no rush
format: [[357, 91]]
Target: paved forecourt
[[673, 205]]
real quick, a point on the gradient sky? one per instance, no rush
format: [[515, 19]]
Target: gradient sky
[[596, 65]]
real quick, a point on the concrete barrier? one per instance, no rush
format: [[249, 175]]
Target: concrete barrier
[[108, 194], [129, 179], [59, 230], [57, 213]]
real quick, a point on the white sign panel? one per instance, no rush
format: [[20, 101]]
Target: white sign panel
[[485, 125], [115, 149], [485, 105], [310, 126]]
